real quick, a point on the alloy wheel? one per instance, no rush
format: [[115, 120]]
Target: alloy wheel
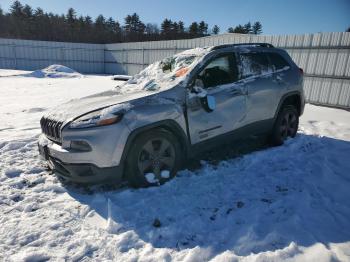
[[288, 125], [155, 156]]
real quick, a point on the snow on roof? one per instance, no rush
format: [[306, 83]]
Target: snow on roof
[[198, 51]]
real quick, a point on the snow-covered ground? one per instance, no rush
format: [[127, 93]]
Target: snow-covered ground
[[285, 203]]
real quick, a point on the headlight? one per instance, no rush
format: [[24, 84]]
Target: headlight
[[103, 117]]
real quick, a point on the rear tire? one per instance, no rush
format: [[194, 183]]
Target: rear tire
[[153, 159], [286, 125]]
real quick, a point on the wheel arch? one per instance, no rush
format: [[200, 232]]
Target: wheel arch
[[170, 126], [291, 98]]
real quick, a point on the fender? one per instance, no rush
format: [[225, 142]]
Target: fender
[[285, 97], [168, 124]]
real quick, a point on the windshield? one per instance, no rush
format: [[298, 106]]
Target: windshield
[[164, 74], [175, 63]]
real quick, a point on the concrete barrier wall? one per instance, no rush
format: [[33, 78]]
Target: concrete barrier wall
[[32, 55]]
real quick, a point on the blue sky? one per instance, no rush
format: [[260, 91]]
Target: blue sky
[[277, 16]]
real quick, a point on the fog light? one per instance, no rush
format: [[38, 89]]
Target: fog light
[[80, 145]]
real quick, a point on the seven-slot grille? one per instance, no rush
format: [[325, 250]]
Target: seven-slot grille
[[51, 128]]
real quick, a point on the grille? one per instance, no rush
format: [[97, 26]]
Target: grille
[[51, 128]]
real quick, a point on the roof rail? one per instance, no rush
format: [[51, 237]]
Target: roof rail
[[243, 44]]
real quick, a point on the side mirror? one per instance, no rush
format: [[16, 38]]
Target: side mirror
[[208, 103]]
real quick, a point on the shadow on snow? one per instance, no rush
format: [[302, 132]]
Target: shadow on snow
[[261, 201]]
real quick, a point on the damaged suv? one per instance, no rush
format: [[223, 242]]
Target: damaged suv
[[143, 130]]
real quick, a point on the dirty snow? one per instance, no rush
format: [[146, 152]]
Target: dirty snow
[[284, 203]]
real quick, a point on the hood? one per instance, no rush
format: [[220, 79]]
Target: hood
[[77, 107], [156, 78]]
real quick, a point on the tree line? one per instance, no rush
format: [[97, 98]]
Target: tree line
[[24, 22]]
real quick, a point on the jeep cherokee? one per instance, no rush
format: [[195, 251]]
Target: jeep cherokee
[[144, 129]]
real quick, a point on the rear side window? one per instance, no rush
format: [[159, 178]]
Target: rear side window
[[278, 61], [254, 64]]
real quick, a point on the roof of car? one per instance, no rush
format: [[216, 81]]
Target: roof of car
[[264, 45]]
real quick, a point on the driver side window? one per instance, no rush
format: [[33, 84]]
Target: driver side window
[[219, 71]]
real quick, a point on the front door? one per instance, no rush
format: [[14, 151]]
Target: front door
[[218, 78]]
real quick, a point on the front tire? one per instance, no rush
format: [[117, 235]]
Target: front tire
[[153, 159], [286, 125]]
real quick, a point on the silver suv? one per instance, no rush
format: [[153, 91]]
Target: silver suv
[[144, 129]]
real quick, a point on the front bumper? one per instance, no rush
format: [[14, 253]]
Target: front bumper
[[86, 173]]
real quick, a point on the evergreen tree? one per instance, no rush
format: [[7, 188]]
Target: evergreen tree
[[193, 29], [238, 30], [203, 28], [257, 28], [117, 28], [216, 30], [134, 27], [88, 20], [71, 16], [16, 9], [22, 22], [175, 28], [166, 27], [2, 23], [100, 22], [181, 27], [247, 28], [110, 24], [27, 11], [72, 26], [27, 26]]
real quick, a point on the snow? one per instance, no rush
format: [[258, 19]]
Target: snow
[[165, 173], [165, 74], [54, 71], [284, 203], [151, 178]]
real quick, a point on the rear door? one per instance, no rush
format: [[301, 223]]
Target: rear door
[[256, 72], [218, 76]]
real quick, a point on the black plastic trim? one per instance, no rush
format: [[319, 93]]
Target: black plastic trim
[[255, 129], [283, 99], [87, 173]]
